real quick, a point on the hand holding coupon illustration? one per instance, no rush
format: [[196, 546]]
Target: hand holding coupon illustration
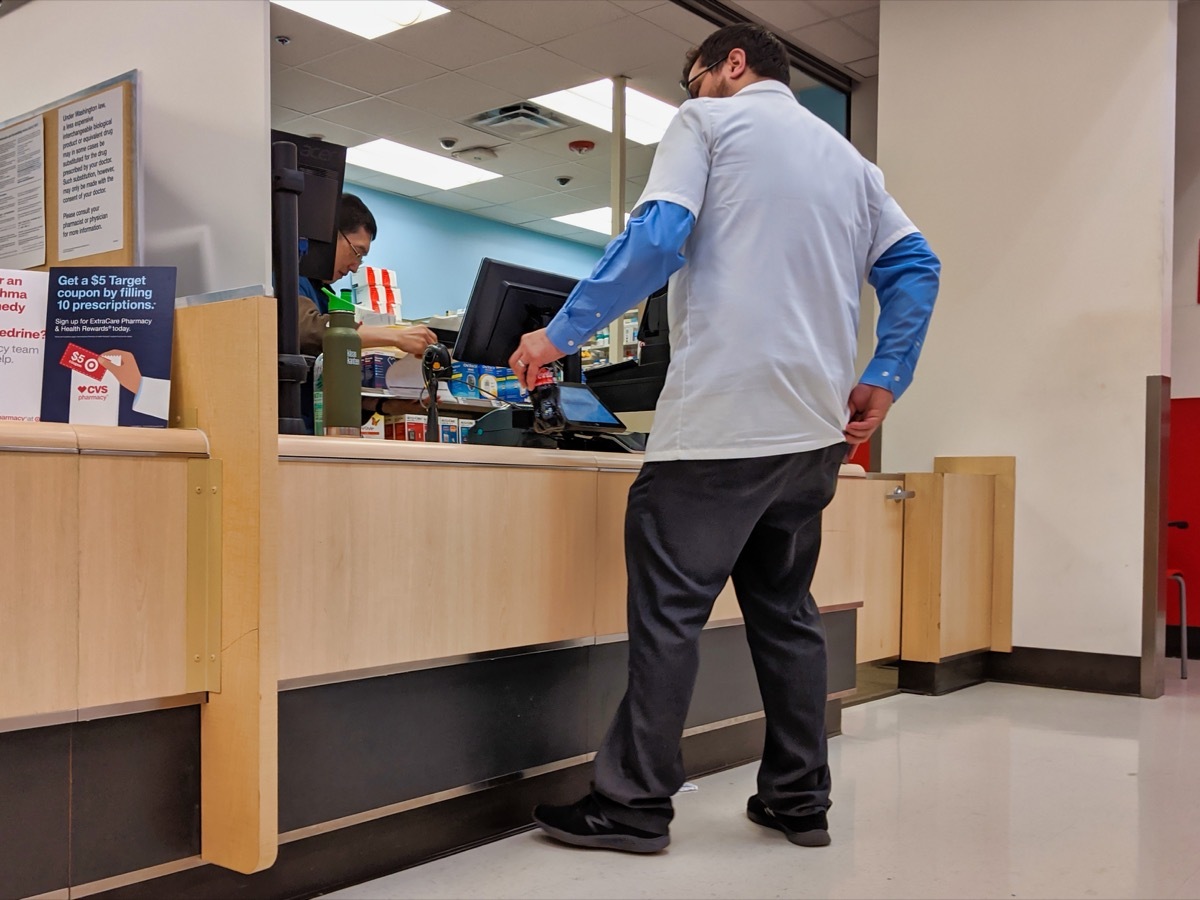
[[151, 396], [124, 367]]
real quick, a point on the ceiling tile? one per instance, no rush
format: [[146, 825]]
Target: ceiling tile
[[614, 47], [557, 144], [507, 214], [452, 96], [835, 40], [552, 205], [659, 79], [679, 21], [514, 158], [328, 131], [281, 115], [454, 41], [503, 190], [429, 138], [307, 93], [558, 229], [538, 21], [637, 160], [867, 68], [580, 176], [640, 6], [785, 16], [865, 23], [309, 39], [394, 185], [531, 73], [597, 196], [454, 200], [372, 68], [378, 116], [844, 7]]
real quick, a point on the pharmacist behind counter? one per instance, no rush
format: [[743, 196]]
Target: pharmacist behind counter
[[356, 230]]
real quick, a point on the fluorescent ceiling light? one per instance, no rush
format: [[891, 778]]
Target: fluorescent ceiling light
[[592, 219], [416, 165], [366, 18], [646, 119]]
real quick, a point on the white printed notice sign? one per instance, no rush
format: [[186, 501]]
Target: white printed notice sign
[[91, 184], [22, 195]]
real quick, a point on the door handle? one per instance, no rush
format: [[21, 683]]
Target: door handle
[[899, 494]]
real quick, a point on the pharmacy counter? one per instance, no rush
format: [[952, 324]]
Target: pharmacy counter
[[452, 635]]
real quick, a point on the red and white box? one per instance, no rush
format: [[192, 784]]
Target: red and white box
[[377, 290]]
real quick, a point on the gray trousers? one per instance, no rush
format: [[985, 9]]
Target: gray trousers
[[690, 525]]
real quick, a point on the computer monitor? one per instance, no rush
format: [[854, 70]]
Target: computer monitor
[[324, 168], [507, 302]]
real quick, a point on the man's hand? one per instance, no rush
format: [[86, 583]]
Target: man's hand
[[534, 351], [869, 406], [413, 339], [127, 373]]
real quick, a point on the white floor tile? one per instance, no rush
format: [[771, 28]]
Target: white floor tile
[[994, 791]]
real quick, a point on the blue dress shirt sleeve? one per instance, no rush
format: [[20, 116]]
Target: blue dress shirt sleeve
[[636, 263], [905, 278]]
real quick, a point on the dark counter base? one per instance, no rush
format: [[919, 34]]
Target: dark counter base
[[92, 800], [1064, 669], [337, 859]]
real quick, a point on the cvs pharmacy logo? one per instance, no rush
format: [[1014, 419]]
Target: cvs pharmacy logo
[[91, 391]]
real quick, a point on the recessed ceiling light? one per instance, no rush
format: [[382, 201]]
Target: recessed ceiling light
[[646, 118], [366, 18], [592, 219], [416, 165]]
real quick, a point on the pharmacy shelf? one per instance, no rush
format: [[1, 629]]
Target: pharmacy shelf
[[444, 402]]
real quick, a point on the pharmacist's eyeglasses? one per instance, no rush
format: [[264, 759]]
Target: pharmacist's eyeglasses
[[686, 83], [359, 255]]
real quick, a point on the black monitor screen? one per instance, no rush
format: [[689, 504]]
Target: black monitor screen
[[324, 168], [506, 302]]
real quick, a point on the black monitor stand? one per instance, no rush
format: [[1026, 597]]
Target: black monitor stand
[[287, 182]]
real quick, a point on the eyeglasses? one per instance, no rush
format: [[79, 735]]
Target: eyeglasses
[[359, 255], [686, 83]]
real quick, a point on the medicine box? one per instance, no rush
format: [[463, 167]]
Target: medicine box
[[414, 427]]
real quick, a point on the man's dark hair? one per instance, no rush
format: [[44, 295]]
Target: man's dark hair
[[764, 53], [353, 215]]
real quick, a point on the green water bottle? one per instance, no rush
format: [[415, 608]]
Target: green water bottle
[[341, 372]]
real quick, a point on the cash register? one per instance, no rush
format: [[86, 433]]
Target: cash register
[[507, 302]]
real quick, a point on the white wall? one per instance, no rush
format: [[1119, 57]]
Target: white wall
[[1185, 338], [1033, 144], [203, 69]]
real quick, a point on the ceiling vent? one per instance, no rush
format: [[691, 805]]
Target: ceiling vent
[[518, 121]]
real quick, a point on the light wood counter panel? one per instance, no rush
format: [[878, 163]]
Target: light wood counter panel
[[967, 515], [390, 563], [224, 377], [37, 436], [132, 577], [838, 580], [157, 441], [1004, 468], [39, 600], [881, 532], [351, 449]]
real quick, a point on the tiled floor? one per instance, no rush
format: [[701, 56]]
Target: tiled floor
[[994, 791]]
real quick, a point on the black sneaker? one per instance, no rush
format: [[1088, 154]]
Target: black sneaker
[[806, 831], [584, 824]]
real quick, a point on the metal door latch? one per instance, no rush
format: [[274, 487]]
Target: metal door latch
[[898, 494]]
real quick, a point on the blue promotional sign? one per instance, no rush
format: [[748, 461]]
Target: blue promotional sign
[[107, 359]]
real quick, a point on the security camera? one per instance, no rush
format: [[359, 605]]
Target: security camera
[[448, 143], [563, 180]]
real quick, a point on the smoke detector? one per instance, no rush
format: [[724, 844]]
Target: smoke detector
[[476, 154]]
